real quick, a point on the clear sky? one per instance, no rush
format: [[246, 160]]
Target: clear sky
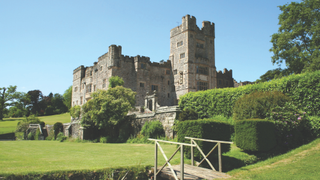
[[42, 42]]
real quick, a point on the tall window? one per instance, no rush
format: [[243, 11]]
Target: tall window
[[142, 85], [202, 70], [168, 71], [202, 85], [88, 87], [154, 87], [104, 83], [81, 100]]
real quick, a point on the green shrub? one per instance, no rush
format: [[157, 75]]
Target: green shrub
[[103, 140], [30, 136], [303, 89], [188, 114], [61, 137], [314, 122], [36, 137], [204, 129], [292, 125], [152, 129], [139, 139], [258, 104], [255, 135], [57, 128], [75, 111], [223, 119]]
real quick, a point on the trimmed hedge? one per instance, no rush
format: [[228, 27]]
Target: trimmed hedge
[[303, 89], [134, 172], [255, 135], [205, 129], [258, 104]]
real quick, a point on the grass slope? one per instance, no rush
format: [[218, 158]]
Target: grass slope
[[9, 125], [36, 156], [300, 163]]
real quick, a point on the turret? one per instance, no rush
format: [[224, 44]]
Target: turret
[[114, 55]]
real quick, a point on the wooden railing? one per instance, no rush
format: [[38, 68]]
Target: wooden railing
[[192, 144], [156, 172], [206, 156]]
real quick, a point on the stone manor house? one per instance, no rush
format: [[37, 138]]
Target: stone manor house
[[191, 67]]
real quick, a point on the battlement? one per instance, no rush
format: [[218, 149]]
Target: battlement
[[144, 59], [78, 69], [225, 72], [165, 64], [190, 23]]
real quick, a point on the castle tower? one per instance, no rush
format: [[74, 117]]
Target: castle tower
[[192, 56]]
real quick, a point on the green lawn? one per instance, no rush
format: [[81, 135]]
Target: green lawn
[[36, 156], [301, 163], [9, 125]]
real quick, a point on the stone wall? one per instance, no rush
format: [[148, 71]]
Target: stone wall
[[166, 115]]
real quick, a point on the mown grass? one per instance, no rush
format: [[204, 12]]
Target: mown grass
[[300, 163], [9, 125], [36, 156]]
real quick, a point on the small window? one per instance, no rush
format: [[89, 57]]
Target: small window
[[167, 71], [94, 87], [211, 41], [104, 83], [175, 72], [168, 95], [75, 89], [81, 99], [143, 66], [100, 68], [179, 43], [90, 73], [154, 87], [220, 82], [168, 82], [182, 55], [199, 45], [191, 36], [141, 84]]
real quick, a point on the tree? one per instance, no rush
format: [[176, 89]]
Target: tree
[[35, 99], [67, 96], [108, 109], [7, 98], [115, 81], [298, 39], [273, 74]]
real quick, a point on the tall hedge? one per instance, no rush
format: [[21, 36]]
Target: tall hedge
[[255, 134], [303, 89], [204, 129]]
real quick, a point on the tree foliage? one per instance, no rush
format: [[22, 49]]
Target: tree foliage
[[108, 109], [115, 81], [7, 98], [67, 95], [298, 39]]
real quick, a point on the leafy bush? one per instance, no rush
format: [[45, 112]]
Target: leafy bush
[[188, 114], [255, 135], [303, 89], [139, 139], [75, 111], [152, 129], [314, 122], [204, 129], [61, 137], [36, 137], [292, 125], [57, 127], [258, 104], [223, 119], [30, 136], [103, 139]]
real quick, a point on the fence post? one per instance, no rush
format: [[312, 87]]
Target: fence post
[[191, 154], [219, 152], [182, 163], [156, 161]]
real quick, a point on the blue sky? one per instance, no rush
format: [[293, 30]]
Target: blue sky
[[42, 42]]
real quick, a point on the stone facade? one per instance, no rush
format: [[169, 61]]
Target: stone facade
[[191, 67]]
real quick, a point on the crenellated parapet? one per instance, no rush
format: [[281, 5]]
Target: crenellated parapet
[[225, 73], [190, 23]]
